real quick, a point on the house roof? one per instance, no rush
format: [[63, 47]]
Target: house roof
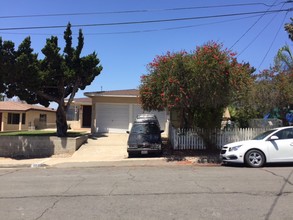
[[115, 93], [22, 107], [85, 100]]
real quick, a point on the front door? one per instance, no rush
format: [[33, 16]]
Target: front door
[[86, 116]]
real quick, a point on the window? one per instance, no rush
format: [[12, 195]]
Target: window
[[72, 113], [43, 118], [13, 118]]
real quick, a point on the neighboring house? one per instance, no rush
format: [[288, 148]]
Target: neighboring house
[[16, 116], [108, 111]]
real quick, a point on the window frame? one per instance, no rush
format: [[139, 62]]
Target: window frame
[[13, 118]]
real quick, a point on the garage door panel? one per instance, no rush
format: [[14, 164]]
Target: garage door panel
[[112, 117]]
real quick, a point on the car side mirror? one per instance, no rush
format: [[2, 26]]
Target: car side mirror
[[274, 137], [162, 131]]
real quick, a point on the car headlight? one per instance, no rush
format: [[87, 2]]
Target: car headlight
[[235, 148]]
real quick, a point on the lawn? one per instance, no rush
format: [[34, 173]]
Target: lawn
[[40, 133]]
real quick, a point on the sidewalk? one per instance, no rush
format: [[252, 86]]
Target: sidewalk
[[104, 150]]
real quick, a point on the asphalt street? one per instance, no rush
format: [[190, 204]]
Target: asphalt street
[[147, 192]]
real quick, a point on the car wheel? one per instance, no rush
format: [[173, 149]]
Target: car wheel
[[130, 155], [254, 158], [159, 154]]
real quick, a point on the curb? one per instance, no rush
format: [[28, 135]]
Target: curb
[[65, 163], [133, 163]]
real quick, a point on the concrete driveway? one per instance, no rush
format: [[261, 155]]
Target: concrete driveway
[[104, 147]]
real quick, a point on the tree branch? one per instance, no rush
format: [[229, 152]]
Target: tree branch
[[48, 97]]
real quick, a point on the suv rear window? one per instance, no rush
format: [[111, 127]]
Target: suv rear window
[[145, 129]]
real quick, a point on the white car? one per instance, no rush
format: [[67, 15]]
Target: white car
[[272, 146]]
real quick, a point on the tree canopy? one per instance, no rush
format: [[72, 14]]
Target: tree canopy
[[272, 91], [200, 84], [56, 77]]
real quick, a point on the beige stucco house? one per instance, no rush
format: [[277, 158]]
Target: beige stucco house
[[115, 111], [16, 116], [108, 111]]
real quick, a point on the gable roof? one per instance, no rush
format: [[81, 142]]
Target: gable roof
[[115, 93], [21, 107]]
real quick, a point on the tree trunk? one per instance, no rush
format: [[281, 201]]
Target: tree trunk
[[207, 136], [61, 122]]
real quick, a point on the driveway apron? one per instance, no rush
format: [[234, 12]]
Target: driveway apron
[[103, 147]]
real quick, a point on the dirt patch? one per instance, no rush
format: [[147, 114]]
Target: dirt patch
[[191, 156]]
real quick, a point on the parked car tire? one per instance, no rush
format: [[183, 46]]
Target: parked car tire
[[255, 158], [159, 154], [130, 155]]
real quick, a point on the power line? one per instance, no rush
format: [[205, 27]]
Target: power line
[[139, 11], [148, 21], [250, 28], [249, 44], [258, 34], [270, 47], [142, 31]]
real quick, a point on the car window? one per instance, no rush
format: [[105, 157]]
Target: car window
[[138, 128], [152, 129], [145, 129], [263, 135], [285, 134]]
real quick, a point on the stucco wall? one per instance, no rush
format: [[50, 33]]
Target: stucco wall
[[107, 99], [74, 124], [36, 147], [77, 124], [34, 118]]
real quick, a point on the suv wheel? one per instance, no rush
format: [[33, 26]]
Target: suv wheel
[[130, 155]]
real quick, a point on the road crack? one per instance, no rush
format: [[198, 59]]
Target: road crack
[[7, 173], [61, 197], [277, 175], [47, 209], [281, 192]]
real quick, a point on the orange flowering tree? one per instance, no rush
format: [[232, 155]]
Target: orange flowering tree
[[199, 85]]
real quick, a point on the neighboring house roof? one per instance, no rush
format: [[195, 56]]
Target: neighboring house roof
[[22, 107], [115, 93]]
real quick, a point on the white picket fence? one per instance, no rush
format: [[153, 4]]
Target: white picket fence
[[188, 139]]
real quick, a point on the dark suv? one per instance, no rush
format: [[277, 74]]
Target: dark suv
[[144, 138], [147, 117]]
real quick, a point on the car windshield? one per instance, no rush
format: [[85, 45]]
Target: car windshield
[[264, 134], [145, 129]]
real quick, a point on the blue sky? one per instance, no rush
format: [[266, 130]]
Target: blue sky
[[125, 50]]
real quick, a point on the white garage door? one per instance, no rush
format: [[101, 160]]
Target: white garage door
[[162, 117], [112, 117]]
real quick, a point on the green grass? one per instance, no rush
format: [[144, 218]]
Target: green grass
[[40, 133]]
